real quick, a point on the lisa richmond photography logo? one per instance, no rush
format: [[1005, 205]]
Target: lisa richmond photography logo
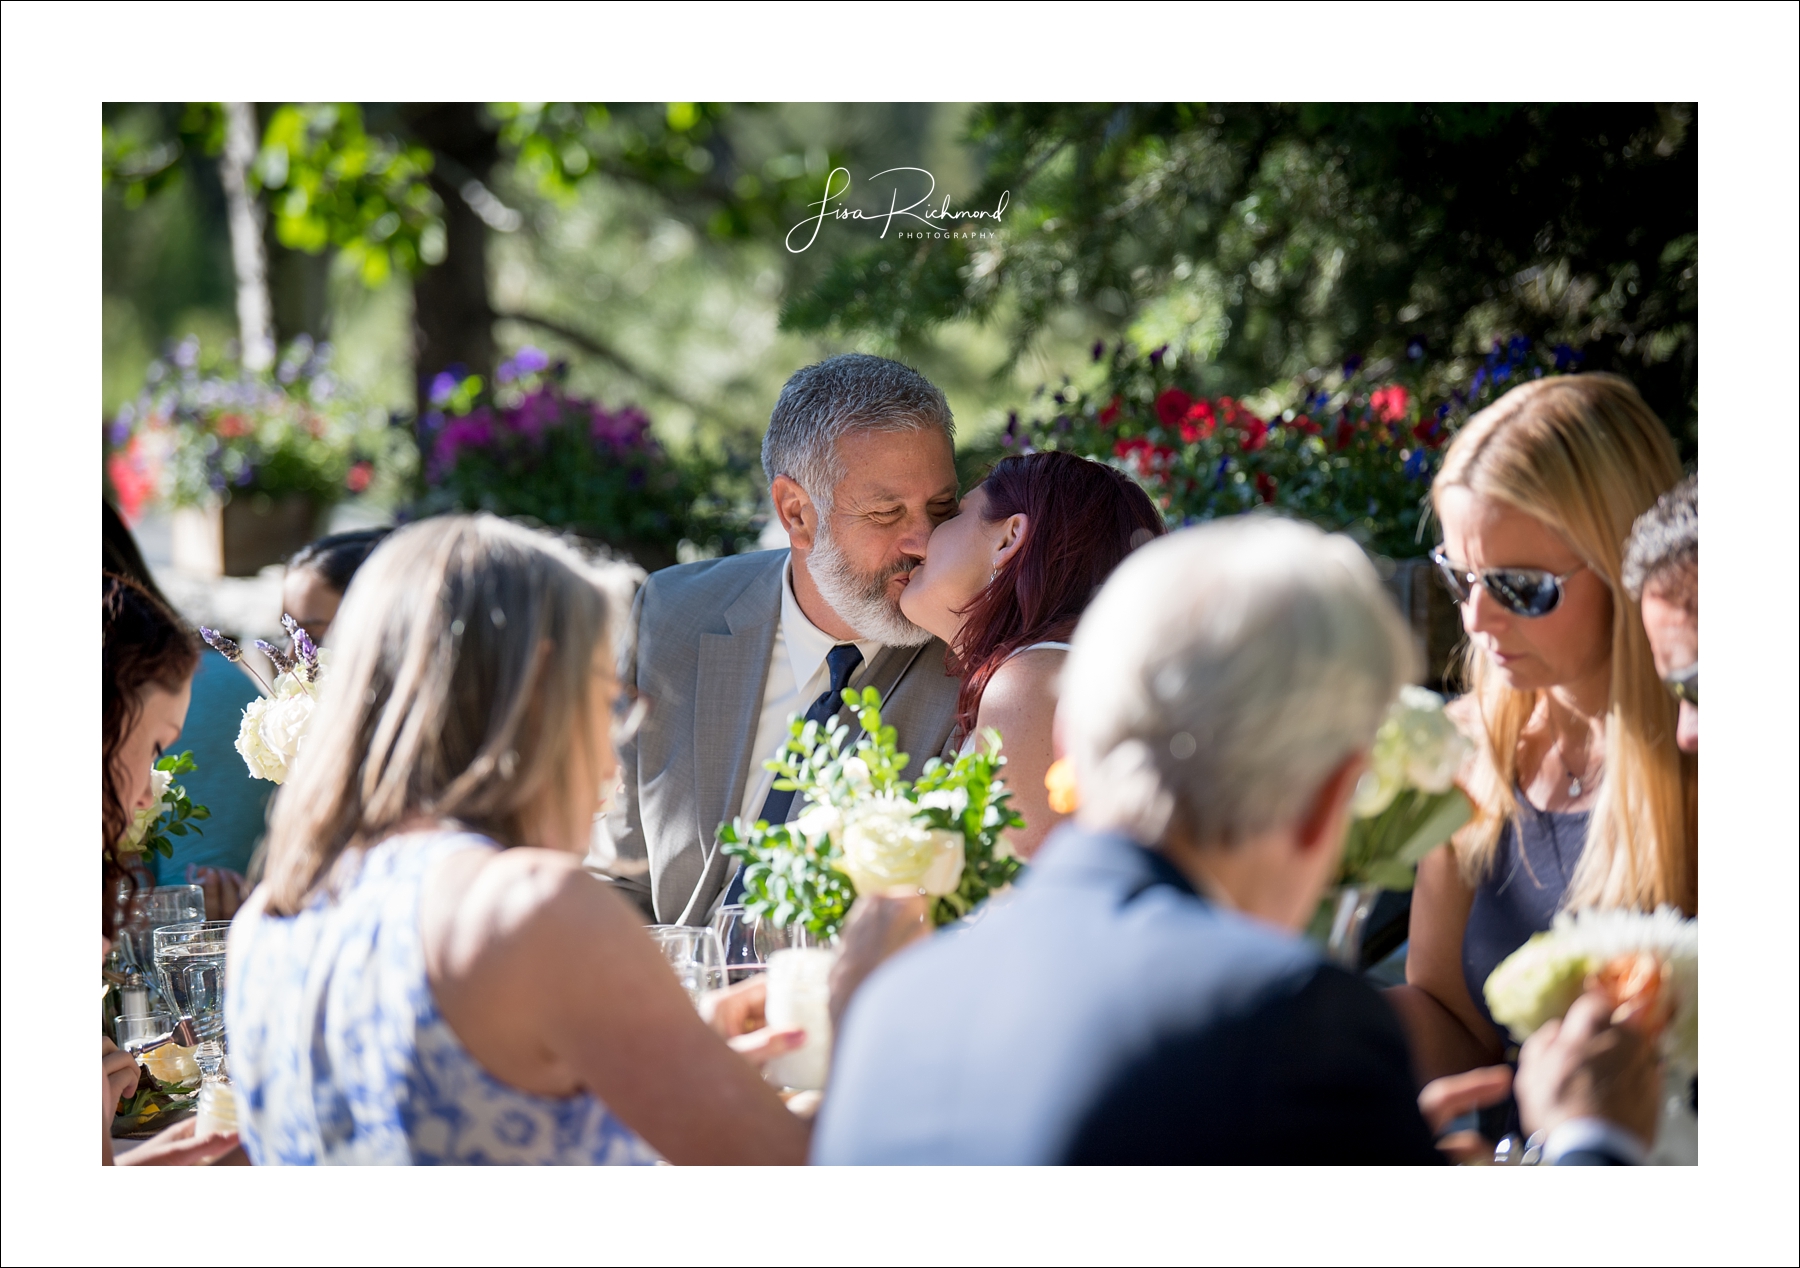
[[939, 221]]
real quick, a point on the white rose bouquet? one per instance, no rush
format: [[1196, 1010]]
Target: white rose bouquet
[[169, 814], [1407, 803], [865, 830], [1647, 962], [274, 727]]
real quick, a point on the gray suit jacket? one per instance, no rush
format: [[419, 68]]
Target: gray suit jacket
[[703, 635]]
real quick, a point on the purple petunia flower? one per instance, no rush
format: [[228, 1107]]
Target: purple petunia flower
[[530, 360], [443, 387]]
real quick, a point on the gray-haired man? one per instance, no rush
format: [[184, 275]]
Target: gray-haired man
[[1662, 571], [860, 460]]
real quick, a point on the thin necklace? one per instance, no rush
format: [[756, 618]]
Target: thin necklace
[[1575, 780]]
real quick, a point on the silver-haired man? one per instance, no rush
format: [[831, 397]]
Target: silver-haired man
[[861, 467], [1662, 572], [1146, 997]]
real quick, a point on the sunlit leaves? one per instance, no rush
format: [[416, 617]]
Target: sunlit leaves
[[329, 183]]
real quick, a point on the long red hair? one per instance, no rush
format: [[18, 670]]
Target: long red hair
[[1081, 518]]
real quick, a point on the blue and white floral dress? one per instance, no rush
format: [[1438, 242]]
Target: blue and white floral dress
[[338, 1052]]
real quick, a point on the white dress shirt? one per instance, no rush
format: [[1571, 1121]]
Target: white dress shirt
[[798, 675]]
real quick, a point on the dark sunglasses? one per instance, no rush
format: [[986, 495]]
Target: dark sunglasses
[[1528, 592], [1684, 684]]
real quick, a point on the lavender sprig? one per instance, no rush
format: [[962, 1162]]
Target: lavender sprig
[[306, 649], [233, 653], [283, 662]]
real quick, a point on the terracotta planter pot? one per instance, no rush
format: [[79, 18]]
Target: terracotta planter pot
[[244, 536]]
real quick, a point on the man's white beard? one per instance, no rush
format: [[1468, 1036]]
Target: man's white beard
[[859, 599]]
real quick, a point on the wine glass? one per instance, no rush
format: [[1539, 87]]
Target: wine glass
[[696, 955], [737, 936], [151, 909], [190, 960]]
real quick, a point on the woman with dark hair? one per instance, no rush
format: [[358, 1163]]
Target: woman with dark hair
[[318, 575], [1004, 582], [147, 669]]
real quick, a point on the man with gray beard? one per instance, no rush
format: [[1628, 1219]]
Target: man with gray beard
[[860, 461]]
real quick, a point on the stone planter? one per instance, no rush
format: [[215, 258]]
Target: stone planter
[[1432, 613], [243, 536]]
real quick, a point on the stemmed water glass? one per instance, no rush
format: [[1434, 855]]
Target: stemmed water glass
[[696, 955], [190, 960], [738, 936]]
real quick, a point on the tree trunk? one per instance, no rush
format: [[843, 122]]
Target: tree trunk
[[453, 323], [244, 211]]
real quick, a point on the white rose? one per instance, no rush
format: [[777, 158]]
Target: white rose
[[1417, 746], [270, 733], [955, 800], [856, 771], [886, 851], [817, 823], [1434, 750], [133, 840], [285, 721]]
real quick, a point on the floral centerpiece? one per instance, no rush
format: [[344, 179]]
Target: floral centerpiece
[[1648, 963], [199, 435], [1352, 449], [1406, 804], [169, 814], [526, 446], [865, 830], [274, 725]]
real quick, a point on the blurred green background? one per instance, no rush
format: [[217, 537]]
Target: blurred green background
[[644, 244]]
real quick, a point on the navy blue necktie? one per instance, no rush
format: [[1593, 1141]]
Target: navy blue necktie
[[842, 660]]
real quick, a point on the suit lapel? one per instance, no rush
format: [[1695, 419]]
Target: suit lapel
[[728, 697]]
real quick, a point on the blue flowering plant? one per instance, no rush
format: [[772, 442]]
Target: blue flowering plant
[[1352, 449], [526, 446], [205, 431]]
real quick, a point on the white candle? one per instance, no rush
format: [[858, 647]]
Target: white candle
[[800, 998]]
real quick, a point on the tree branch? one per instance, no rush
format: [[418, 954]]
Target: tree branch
[[595, 347]]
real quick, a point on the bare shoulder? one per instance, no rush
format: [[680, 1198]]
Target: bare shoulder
[[1021, 696], [491, 907], [1025, 680]]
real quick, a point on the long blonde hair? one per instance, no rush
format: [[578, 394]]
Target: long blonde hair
[[462, 669], [1585, 456]]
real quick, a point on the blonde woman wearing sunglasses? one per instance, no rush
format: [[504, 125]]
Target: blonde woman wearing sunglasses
[[1581, 796]]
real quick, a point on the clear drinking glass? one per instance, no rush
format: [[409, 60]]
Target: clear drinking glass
[[696, 955], [190, 961], [151, 909], [139, 1034], [737, 937]]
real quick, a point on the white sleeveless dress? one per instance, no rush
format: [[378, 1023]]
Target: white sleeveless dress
[[968, 743]]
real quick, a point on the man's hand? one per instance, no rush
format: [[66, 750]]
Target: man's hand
[[1444, 1100], [878, 926], [1586, 1066]]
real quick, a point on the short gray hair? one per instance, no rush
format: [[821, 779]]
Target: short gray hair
[[849, 393], [1222, 673], [1664, 547]]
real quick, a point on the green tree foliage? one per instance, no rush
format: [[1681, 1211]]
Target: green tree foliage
[[1260, 241]]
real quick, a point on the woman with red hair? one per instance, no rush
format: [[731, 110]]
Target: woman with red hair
[[1004, 582]]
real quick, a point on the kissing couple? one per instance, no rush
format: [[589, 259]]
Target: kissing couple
[[958, 610]]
